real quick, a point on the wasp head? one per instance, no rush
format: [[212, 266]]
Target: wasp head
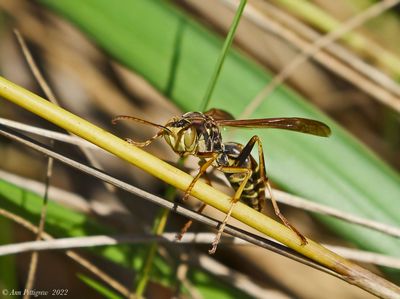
[[181, 136]]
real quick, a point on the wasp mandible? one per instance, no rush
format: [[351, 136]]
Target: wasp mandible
[[198, 134]]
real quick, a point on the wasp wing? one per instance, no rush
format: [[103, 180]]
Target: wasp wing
[[219, 114], [303, 125]]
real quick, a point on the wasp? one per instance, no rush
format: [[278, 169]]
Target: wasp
[[199, 134]]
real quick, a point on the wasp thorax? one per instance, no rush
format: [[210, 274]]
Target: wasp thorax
[[183, 140]]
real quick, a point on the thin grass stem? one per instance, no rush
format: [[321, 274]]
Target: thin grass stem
[[222, 56]]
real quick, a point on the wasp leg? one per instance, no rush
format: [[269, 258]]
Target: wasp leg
[[236, 197], [189, 223], [263, 175], [202, 170], [200, 210], [283, 218]]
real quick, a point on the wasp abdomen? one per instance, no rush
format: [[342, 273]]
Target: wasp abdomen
[[254, 191]]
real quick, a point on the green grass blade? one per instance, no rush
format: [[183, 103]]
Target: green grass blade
[[99, 287], [222, 55], [8, 272]]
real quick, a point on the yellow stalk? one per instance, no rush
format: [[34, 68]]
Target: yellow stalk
[[175, 177]]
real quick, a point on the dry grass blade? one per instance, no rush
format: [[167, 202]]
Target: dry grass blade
[[30, 281], [367, 257], [283, 20], [35, 70], [351, 68], [50, 95], [327, 22], [35, 255], [48, 134], [49, 169], [347, 26], [189, 238], [58, 54], [301, 203]]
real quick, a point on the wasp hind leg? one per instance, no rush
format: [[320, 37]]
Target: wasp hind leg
[[233, 170], [263, 175], [189, 223], [283, 218]]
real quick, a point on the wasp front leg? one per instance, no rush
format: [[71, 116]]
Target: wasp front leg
[[244, 154], [189, 223], [202, 171], [236, 197]]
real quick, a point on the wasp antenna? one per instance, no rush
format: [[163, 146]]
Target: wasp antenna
[[139, 120]]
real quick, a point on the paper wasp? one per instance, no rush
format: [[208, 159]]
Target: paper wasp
[[198, 134]]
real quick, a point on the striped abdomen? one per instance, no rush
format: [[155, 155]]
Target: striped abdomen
[[254, 192]]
